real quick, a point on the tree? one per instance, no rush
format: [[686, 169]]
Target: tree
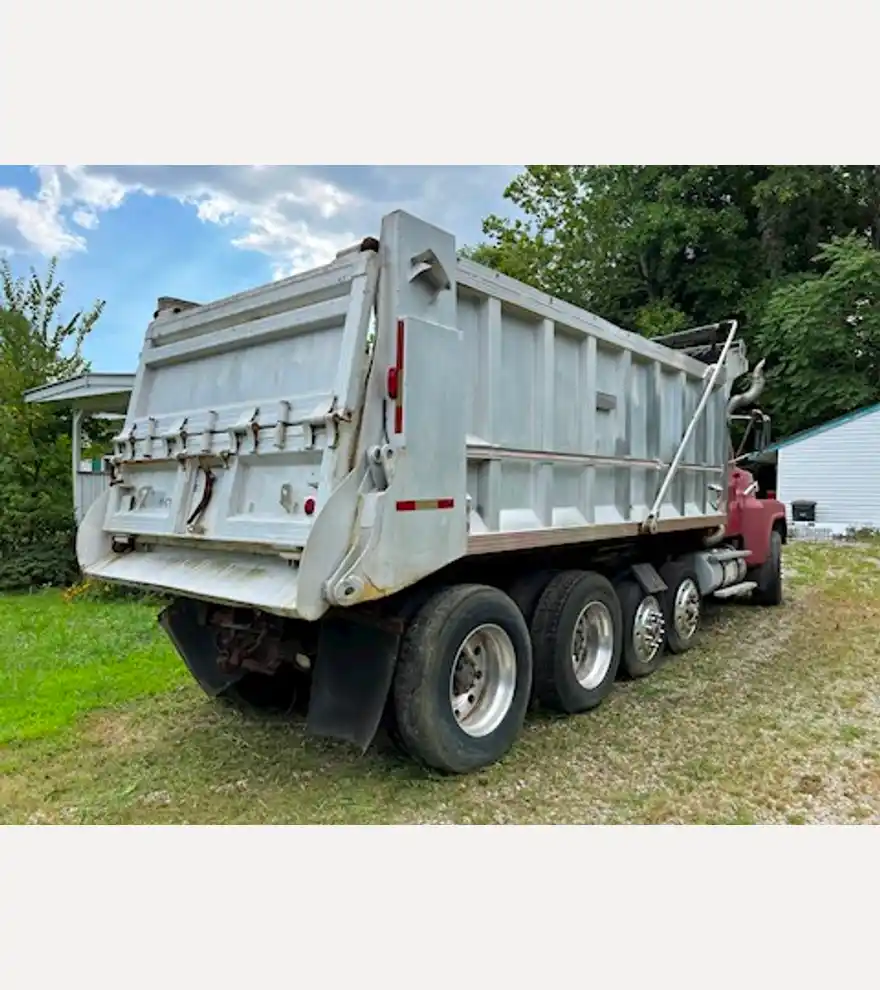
[[39, 301], [36, 347], [649, 247], [821, 333], [658, 248]]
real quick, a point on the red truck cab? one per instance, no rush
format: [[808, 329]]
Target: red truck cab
[[751, 521]]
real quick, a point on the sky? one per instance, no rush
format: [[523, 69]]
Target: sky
[[131, 233]]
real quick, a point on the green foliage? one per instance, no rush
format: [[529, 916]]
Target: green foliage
[[38, 300], [821, 333], [658, 317], [659, 248], [623, 239], [36, 498]]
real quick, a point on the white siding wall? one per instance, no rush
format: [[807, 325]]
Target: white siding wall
[[839, 470], [89, 487]]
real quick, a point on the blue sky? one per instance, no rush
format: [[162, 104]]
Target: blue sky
[[129, 234]]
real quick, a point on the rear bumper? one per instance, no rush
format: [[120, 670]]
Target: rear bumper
[[265, 583]]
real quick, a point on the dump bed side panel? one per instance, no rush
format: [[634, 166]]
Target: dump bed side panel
[[573, 422]]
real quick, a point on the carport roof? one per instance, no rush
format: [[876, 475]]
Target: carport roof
[[92, 392]]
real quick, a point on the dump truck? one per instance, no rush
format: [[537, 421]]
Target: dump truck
[[407, 490]]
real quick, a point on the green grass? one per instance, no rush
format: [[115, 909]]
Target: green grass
[[772, 718], [62, 660]]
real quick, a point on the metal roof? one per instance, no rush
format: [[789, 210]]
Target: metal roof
[[92, 392], [816, 430]]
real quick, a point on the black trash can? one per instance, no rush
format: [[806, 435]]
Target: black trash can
[[803, 511]]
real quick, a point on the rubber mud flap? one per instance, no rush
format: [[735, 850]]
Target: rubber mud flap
[[195, 644], [351, 680]]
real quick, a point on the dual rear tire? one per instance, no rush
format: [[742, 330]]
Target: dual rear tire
[[683, 606], [468, 658], [470, 661], [463, 679], [576, 639]]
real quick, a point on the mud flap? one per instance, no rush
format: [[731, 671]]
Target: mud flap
[[650, 581], [195, 644], [351, 680]]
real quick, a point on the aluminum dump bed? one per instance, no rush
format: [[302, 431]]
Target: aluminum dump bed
[[337, 436]]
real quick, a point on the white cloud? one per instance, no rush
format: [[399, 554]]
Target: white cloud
[[85, 218], [280, 211], [298, 217], [78, 184], [293, 246], [35, 222]]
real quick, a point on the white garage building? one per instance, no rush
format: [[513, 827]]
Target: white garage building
[[836, 467]]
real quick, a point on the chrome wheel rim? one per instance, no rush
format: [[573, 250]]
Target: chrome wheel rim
[[483, 680], [592, 645], [649, 628], [686, 609]]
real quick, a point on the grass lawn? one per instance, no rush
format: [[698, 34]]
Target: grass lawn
[[775, 717]]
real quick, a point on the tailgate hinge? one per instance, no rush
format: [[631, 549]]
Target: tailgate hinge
[[176, 435], [247, 425], [125, 442], [281, 425], [332, 421]]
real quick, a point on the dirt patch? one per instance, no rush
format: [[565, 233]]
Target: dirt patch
[[121, 731]]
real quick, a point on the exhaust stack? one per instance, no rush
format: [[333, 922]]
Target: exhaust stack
[[751, 394]]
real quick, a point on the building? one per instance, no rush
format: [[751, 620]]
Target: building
[[836, 467], [103, 395]]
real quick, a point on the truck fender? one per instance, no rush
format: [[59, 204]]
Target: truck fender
[[352, 676]]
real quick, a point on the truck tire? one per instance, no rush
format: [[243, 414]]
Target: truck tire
[[683, 605], [527, 589], [576, 640], [769, 574], [644, 630], [463, 679]]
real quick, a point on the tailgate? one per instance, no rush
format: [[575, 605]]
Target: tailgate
[[242, 419]]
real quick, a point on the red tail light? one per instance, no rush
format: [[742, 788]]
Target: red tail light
[[393, 383]]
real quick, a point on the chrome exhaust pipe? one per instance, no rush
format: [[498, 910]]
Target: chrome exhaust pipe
[[751, 393], [715, 537]]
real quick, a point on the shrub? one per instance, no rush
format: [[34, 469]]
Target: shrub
[[38, 560]]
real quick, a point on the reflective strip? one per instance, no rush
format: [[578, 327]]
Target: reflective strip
[[398, 401], [415, 505]]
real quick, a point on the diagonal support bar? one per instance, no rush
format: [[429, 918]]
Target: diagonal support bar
[[650, 523]]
